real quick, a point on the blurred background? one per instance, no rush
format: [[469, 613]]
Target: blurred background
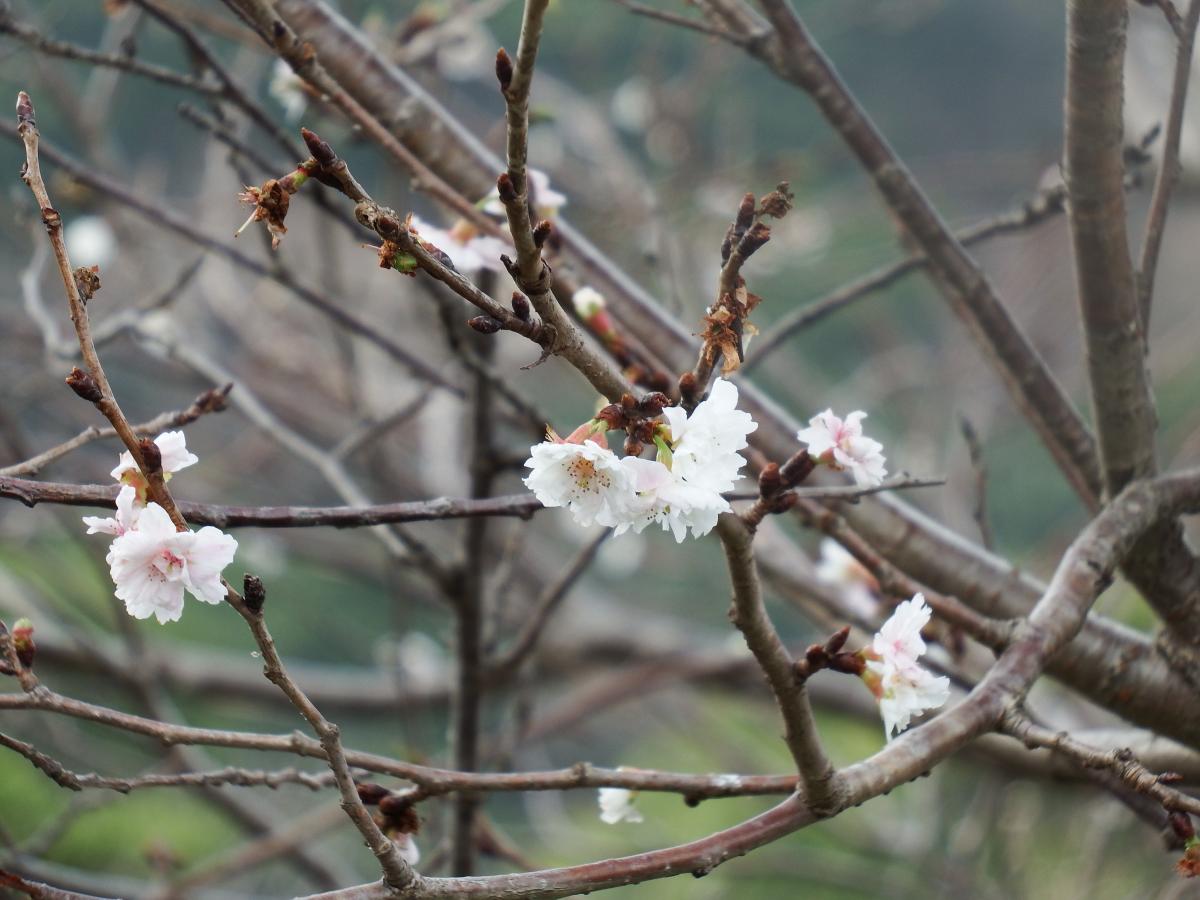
[[653, 133]]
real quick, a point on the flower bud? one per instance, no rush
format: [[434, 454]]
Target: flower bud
[[588, 302], [506, 189], [754, 239], [633, 447], [541, 231], [745, 214], [22, 638], [151, 455], [688, 388], [320, 150], [254, 592], [769, 480], [652, 404], [504, 69], [371, 793], [520, 306], [84, 385], [485, 324]]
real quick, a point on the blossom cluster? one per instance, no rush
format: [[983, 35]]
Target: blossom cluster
[[151, 562], [680, 489], [902, 687]]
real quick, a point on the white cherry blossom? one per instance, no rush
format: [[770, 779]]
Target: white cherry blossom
[[838, 568], [587, 478], [406, 844], [175, 456], [663, 498], [704, 445], [841, 444], [616, 806], [126, 518], [904, 689], [288, 89], [153, 564]]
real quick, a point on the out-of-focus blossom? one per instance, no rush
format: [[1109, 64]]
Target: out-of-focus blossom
[[407, 845], [840, 443], [90, 241], [839, 569], [546, 201], [469, 250], [616, 806], [288, 89]]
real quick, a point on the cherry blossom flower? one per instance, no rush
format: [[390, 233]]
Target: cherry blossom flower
[[152, 565], [126, 518], [840, 443], [839, 569], [582, 475], [616, 806], [547, 201], [662, 497], [288, 88], [704, 445], [469, 250], [175, 456], [897, 680]]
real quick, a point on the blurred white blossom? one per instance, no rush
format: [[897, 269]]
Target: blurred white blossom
[[90, 241], [616, 806]]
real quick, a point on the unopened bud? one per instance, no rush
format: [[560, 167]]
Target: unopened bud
[[254, 592], [769, 481], [588, 302], [84, 385], [652, 404], [1181, 824], [745, 213], [837, 640], [659, 382], [506, 189], [25, 110], [688, 388], [796, 469], [633, 447], [22, 638], [504, 69], [753, 239], [628, 402], [151, 456], [320, 150], [541, 231], [485, 324], [520, 306]]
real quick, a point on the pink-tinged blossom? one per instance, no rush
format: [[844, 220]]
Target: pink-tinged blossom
[[153, 564], [583, 476], [547, 201], [841, 444], [705, 445], [175, 456], [469, 250], [126, 518], [904, 689]]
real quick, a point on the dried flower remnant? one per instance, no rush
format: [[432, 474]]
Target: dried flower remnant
[[272, 198]]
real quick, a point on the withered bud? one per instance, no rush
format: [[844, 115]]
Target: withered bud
[[22, 638], [769, 481], [628, 402], [633, 447], [254, 592], [644, 431], [688, 388], [401, 813], [778, 203], [25, 111], [837, 640], [652, 404], [485, 324], [541, 231], [151, 455], [1181, 824], [371, 793], [84, 385], [506, 188], [87, 282], [504, 69], [520, 306], [753, 239], [320, 150], [745, 213]]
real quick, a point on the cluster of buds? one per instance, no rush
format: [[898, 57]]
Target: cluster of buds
[[636, 418], [830, 655]]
